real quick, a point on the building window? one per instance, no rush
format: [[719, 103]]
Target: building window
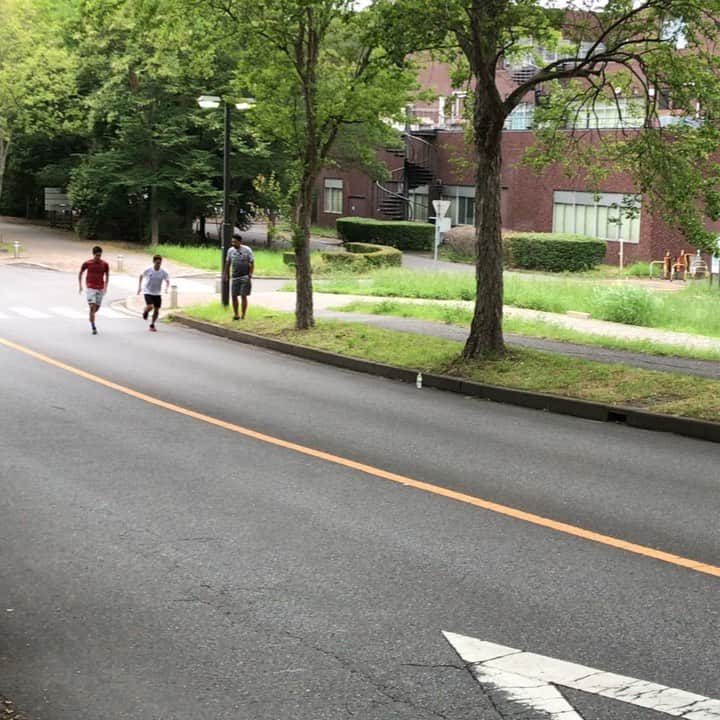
[[620, 114], [462, 204], [418, 199], [520, 118], [583, 213], [333, 196]]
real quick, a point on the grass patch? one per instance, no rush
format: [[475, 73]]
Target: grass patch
[[318, 230], [693, 309], [523, 368], [459, 315], [268, 262]]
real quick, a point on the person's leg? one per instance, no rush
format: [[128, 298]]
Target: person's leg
[[234, 299], [244, 306], [92, 307], [156, 301]]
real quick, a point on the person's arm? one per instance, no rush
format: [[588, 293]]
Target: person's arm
[[140, 282], [252, 267], [80, 274], [106, 276], [167, 282]]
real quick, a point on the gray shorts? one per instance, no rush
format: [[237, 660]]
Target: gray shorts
[[94, 297], [241, 286]]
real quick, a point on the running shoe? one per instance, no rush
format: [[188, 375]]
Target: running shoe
[[152, 328]]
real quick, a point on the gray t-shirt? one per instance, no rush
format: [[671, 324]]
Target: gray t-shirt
[[153, 280], [240, 259]]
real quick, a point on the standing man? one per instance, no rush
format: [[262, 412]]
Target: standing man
[[153, 277], [239, 268], [96, 282]]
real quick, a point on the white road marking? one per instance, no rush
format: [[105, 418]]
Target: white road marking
[[29, 313], [528, 678], [68, 312]]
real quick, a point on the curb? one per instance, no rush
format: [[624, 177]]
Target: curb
[[588, 410]]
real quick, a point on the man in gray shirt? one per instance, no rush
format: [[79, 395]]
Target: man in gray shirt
[[239, 268]]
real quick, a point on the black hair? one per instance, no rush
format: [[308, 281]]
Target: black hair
[[97, 249]]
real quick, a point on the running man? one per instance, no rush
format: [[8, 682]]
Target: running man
[[96, 282], [239, 268], [152, 287]]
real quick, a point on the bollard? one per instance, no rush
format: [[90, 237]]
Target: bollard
[[119, 263], [173, 297], [16, 249], [218, 286]]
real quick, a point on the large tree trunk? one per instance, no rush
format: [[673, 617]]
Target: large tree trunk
[[486, 338], [304, 316]]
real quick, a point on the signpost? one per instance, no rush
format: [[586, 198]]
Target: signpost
[[442, 223]]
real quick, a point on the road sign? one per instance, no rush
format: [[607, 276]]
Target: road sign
[[530, 680], [441, 207]]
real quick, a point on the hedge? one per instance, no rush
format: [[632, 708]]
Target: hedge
[[555, 252], [357, 257], [394, 233]]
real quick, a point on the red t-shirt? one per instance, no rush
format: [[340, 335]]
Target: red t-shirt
[[96, 270]]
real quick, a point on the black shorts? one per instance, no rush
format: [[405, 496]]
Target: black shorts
[[154, 300]]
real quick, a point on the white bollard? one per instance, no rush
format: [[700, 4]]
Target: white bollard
[[173, 297], [119, 263], [16, 249]]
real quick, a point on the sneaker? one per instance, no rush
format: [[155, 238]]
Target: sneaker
[[94, 331], [152, 328], [145, 314]]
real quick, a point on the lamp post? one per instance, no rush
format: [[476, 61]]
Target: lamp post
[[213, 102]]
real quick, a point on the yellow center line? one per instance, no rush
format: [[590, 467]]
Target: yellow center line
[[506, 510]]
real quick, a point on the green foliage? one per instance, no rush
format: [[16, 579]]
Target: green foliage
[[361, 257], [394, 233], [626, 304], [555, 252]]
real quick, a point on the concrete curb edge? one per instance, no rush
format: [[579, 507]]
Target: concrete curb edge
[[632, 417]]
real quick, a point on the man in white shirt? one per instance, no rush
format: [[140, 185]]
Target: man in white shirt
[[239, 269], [150, 281]]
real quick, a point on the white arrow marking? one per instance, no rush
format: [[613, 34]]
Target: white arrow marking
[[528, 678]]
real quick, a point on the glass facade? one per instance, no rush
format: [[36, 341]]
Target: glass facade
[[585, 213]]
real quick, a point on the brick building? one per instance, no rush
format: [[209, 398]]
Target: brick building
[[437, 163]]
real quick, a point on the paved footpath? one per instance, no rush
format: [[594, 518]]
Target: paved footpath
[[62, 250]]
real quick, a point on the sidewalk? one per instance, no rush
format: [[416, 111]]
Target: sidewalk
[[61, 250]]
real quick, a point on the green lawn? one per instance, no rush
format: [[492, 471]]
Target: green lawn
[[268, 263], [693, 309], [456, 315], [523, 368]]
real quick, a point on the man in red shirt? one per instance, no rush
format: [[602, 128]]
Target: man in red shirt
[[96, 280]]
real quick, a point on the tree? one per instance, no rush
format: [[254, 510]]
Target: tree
[[597, 51], [37, 74], [153, 150], [315, 68]]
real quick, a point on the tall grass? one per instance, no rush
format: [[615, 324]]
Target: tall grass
[[268, 263], [694, 309]]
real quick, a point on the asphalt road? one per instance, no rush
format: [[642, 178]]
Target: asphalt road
[[160, 559]]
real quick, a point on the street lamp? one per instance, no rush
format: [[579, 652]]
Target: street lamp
[[212, 102]]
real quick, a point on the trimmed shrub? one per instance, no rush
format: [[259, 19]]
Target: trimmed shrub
[[461, 240], [360, 257], [394, 233], [626, 304], [556, 252]]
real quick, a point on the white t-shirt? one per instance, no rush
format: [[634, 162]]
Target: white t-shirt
[[153, 280]]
